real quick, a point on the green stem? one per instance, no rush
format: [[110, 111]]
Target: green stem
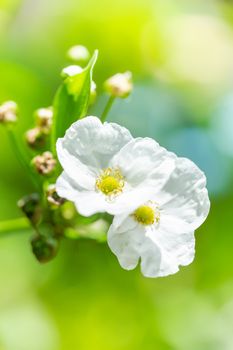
[[14, 225], [107, 108], [21, 158]]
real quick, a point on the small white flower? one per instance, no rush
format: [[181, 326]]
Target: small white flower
[[161, 231], [106, 170]]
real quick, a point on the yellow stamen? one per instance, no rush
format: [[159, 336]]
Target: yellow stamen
[[110, 182], [147, 215]]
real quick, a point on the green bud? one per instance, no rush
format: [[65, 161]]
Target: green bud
[[44, 248], [30, 206]]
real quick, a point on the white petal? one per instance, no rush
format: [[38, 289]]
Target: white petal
[[86, 202], [161, 249], [128, 201], [129, 243], [143, 160], [65, 187], [185, 195], [151, 259], [94, 143], [89, 203], [176, 247], [80, 173], [87, 147], [125, 244]]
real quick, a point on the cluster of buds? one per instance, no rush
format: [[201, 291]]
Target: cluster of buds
[[36, 137], [119, 85], [8, 112], [44, 246], [52, 217], [44, 163]]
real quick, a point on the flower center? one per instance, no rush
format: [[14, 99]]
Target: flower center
[[110, 182], [147, 214]]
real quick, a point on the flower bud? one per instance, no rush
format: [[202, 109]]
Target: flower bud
[[70, 71], [35, 138], [44, 248], [44, 163], [8, 112], [119, 85], [44, 118], [78, 53], [93, 92], [53, 198], [73, 70], [30, 206]]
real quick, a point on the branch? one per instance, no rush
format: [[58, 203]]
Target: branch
[[14, 225]]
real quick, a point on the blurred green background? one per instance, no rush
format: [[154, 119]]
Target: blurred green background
[[181, 56]]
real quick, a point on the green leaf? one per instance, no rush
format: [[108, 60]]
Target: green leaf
[[71, 101]]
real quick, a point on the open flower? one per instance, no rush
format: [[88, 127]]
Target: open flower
[[161, 231], [106, 170]]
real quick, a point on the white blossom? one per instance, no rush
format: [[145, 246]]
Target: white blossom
[[160, 232], [106, 170]]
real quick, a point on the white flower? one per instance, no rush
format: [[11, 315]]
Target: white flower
[[106, 170], [161, 231]]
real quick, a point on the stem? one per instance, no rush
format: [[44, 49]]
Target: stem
[[107, 108], [21, 157], [14, 225]]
